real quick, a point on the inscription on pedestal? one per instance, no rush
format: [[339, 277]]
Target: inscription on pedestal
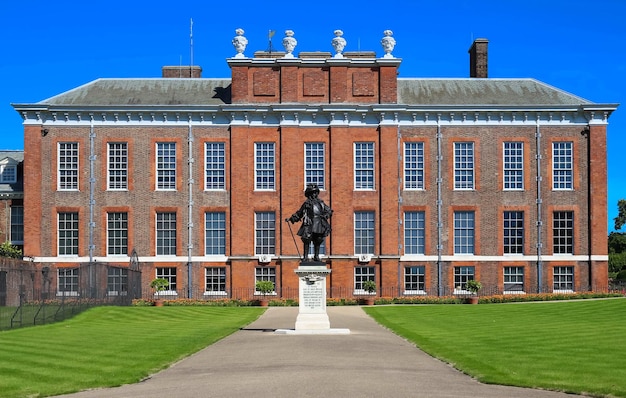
[[312, 296]]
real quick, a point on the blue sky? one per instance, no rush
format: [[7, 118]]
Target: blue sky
[[49, 47]]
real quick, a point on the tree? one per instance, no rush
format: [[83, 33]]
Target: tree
[[621, 214], [9, 250], [617, 242], [617, 263]]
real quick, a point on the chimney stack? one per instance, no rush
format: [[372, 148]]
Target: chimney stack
[[478, 58], [180, 72]]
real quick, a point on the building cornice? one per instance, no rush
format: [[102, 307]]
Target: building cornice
[[315, 62], [403, 259], [316, 115]]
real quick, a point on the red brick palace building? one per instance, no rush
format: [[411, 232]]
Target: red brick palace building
[[432, 181]]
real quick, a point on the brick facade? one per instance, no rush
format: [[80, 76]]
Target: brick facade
[[337, 103]]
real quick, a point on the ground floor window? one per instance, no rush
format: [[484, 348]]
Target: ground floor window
[[265, 274], [563, 279], [117, 281], [67, 282], [362, 274], [169, 274], [215, 281], [461, 276], [414, 277], [513, 280]]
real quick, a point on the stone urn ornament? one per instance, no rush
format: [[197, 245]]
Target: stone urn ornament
[[290, 43], [388, 43], [240, 43], [339, 43]]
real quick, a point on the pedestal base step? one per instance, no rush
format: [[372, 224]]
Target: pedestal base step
[[312, 331]]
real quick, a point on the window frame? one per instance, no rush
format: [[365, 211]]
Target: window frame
[[264, 166], [562, 165], [67, 170], [513, 166], [68, 230], [414, 230], [465, 239], [463, 274], [322, 251], [513, 277], [315, 164], [117, 232], [264, 233], [363, 273], [170, 275], [117, 166], [265, 274], [164, 233], [563, 279], [7, 177], [464, 166], [414, 279], [413, 165], [214, 166], [563, 236], [364, 166], [166, 167], [117, 281], [215, 277], [364, 236], [214, 233], [68, 282], [17, 225], [513, 235]]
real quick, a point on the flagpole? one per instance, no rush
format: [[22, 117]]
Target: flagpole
[[191, 47]]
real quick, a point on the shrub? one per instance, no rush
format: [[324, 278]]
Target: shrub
[[264, 287], [9, 250]]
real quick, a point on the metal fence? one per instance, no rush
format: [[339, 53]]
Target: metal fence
[[288, 293], [31, 296]]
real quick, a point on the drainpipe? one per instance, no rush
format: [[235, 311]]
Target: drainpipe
[[439, 210], [400, 219], [7, 221], [92, 202], [539, 209], [279, 221], [190, 183]]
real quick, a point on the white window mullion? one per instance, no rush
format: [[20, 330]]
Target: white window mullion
[[67, 166], [364, 166], [264, 166], [214, 166], [464, 166]]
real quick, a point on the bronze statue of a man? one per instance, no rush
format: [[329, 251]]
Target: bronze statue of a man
[[314, 214]]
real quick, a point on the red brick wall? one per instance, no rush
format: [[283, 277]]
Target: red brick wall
[[33, 181], [336, 81]]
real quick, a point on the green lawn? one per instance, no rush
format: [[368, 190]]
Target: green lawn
[[109, 346], [576, 347]]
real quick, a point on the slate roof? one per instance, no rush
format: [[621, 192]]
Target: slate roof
[[511, 92], [411, 91], [148, 92]]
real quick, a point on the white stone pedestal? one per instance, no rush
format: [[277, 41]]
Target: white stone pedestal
[[312, 317], [312, 298]]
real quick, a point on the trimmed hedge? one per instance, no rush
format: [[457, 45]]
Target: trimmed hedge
[[503, 298]]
